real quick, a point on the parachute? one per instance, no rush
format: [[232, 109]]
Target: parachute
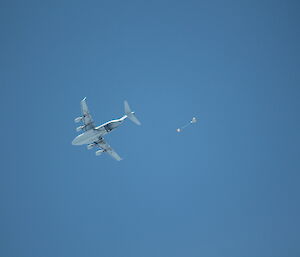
[[192, 121]]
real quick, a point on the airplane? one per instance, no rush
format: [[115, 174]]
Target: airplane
[[93, 136]]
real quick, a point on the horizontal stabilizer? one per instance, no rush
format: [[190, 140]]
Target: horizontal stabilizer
[[130, 114]]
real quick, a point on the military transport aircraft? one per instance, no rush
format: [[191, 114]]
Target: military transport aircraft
[[93, 136]]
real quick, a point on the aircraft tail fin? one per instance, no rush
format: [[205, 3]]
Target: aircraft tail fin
[[130, 114]]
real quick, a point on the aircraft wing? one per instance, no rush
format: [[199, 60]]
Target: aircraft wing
[[86, 116], [107, 148]]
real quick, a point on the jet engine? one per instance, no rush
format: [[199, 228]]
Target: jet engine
[[78, 119], [90, 146], [99, 152], [79, 128]]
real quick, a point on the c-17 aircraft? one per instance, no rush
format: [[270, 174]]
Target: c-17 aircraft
[[93, 136]]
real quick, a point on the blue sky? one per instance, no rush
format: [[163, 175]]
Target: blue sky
[[227, 186]]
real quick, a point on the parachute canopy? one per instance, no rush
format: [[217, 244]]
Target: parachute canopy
[[192, 121]]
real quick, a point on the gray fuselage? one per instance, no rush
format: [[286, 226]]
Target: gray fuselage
[[95, 134]]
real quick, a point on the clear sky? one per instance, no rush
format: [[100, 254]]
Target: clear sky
[[226, 186]]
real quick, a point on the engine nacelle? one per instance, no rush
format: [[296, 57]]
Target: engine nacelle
[[90, 146], [79, 128], [99, 152], [78, 119]]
